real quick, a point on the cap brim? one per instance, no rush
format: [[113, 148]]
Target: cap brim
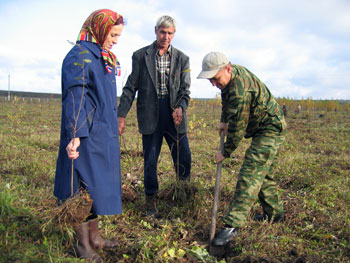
[[207, 74]]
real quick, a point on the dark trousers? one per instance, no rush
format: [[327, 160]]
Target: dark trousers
[[152, 145]]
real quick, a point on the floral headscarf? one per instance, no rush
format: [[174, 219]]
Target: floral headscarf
[[95, 29]]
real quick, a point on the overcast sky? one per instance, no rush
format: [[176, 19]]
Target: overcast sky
[[299, 48]]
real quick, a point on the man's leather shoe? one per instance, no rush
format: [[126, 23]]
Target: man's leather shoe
[[224, 236], [151, 206]]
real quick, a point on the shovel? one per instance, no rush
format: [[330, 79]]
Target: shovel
[[216, 193]]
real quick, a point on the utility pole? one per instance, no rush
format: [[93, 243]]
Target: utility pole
[[8, 94]]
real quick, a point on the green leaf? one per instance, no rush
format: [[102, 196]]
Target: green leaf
[[181, 253], [146, 224], [171, 252], [84, 52], [202, 254], [87, 60], [78, 64]]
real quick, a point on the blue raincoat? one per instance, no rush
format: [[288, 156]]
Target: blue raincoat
[[89, 111]]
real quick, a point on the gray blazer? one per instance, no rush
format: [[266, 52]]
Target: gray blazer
[[144, 81]]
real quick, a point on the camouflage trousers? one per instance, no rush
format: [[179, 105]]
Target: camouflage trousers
[[255, 180]]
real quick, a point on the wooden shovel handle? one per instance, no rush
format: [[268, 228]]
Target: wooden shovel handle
[[216, 192]]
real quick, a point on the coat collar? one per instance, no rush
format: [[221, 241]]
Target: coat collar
[[150, 59], [93, 47], [152, 49]]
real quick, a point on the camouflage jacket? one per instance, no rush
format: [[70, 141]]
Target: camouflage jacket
[[249, 108]]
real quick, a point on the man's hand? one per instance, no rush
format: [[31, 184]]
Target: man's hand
[[121, 125], [219, 157], [72, 148], [222, 127], [177, 116]]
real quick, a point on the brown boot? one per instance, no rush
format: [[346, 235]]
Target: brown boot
[[96, 241], [82, 247]]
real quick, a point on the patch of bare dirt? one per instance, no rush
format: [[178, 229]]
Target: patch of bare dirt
[[128, 193]]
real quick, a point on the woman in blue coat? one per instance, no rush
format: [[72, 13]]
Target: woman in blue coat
[[89, 127]]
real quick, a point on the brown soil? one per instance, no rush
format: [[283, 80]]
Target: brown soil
[[128, 193], [74, 211]]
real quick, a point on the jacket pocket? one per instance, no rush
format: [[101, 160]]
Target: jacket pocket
[[90, 115]]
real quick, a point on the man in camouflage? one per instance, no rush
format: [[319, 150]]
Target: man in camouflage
[[250, 110]]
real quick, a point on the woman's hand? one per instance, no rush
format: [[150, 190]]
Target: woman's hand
[[72, 148]]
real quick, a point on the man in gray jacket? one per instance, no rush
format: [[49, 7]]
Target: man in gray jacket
[[161, 76]]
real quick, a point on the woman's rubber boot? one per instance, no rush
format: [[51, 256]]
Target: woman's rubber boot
[[96, 241], [82, 247]]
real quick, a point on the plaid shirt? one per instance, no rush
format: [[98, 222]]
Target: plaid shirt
[[163, 70]]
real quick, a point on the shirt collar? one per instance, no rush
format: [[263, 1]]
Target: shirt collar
[[169, 51]]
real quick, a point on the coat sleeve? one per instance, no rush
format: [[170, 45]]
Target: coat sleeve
[[74, 88], [130, 88], [183, 95], [237, 111], [223, 106]]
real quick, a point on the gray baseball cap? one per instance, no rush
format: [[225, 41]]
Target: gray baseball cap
[[211, 64]]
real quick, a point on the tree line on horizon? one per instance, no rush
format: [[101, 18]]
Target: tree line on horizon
[[306, 105]]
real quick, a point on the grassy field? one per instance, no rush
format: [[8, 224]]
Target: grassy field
[[313, 175]]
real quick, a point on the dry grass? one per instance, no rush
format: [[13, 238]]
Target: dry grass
[[312, 173]]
